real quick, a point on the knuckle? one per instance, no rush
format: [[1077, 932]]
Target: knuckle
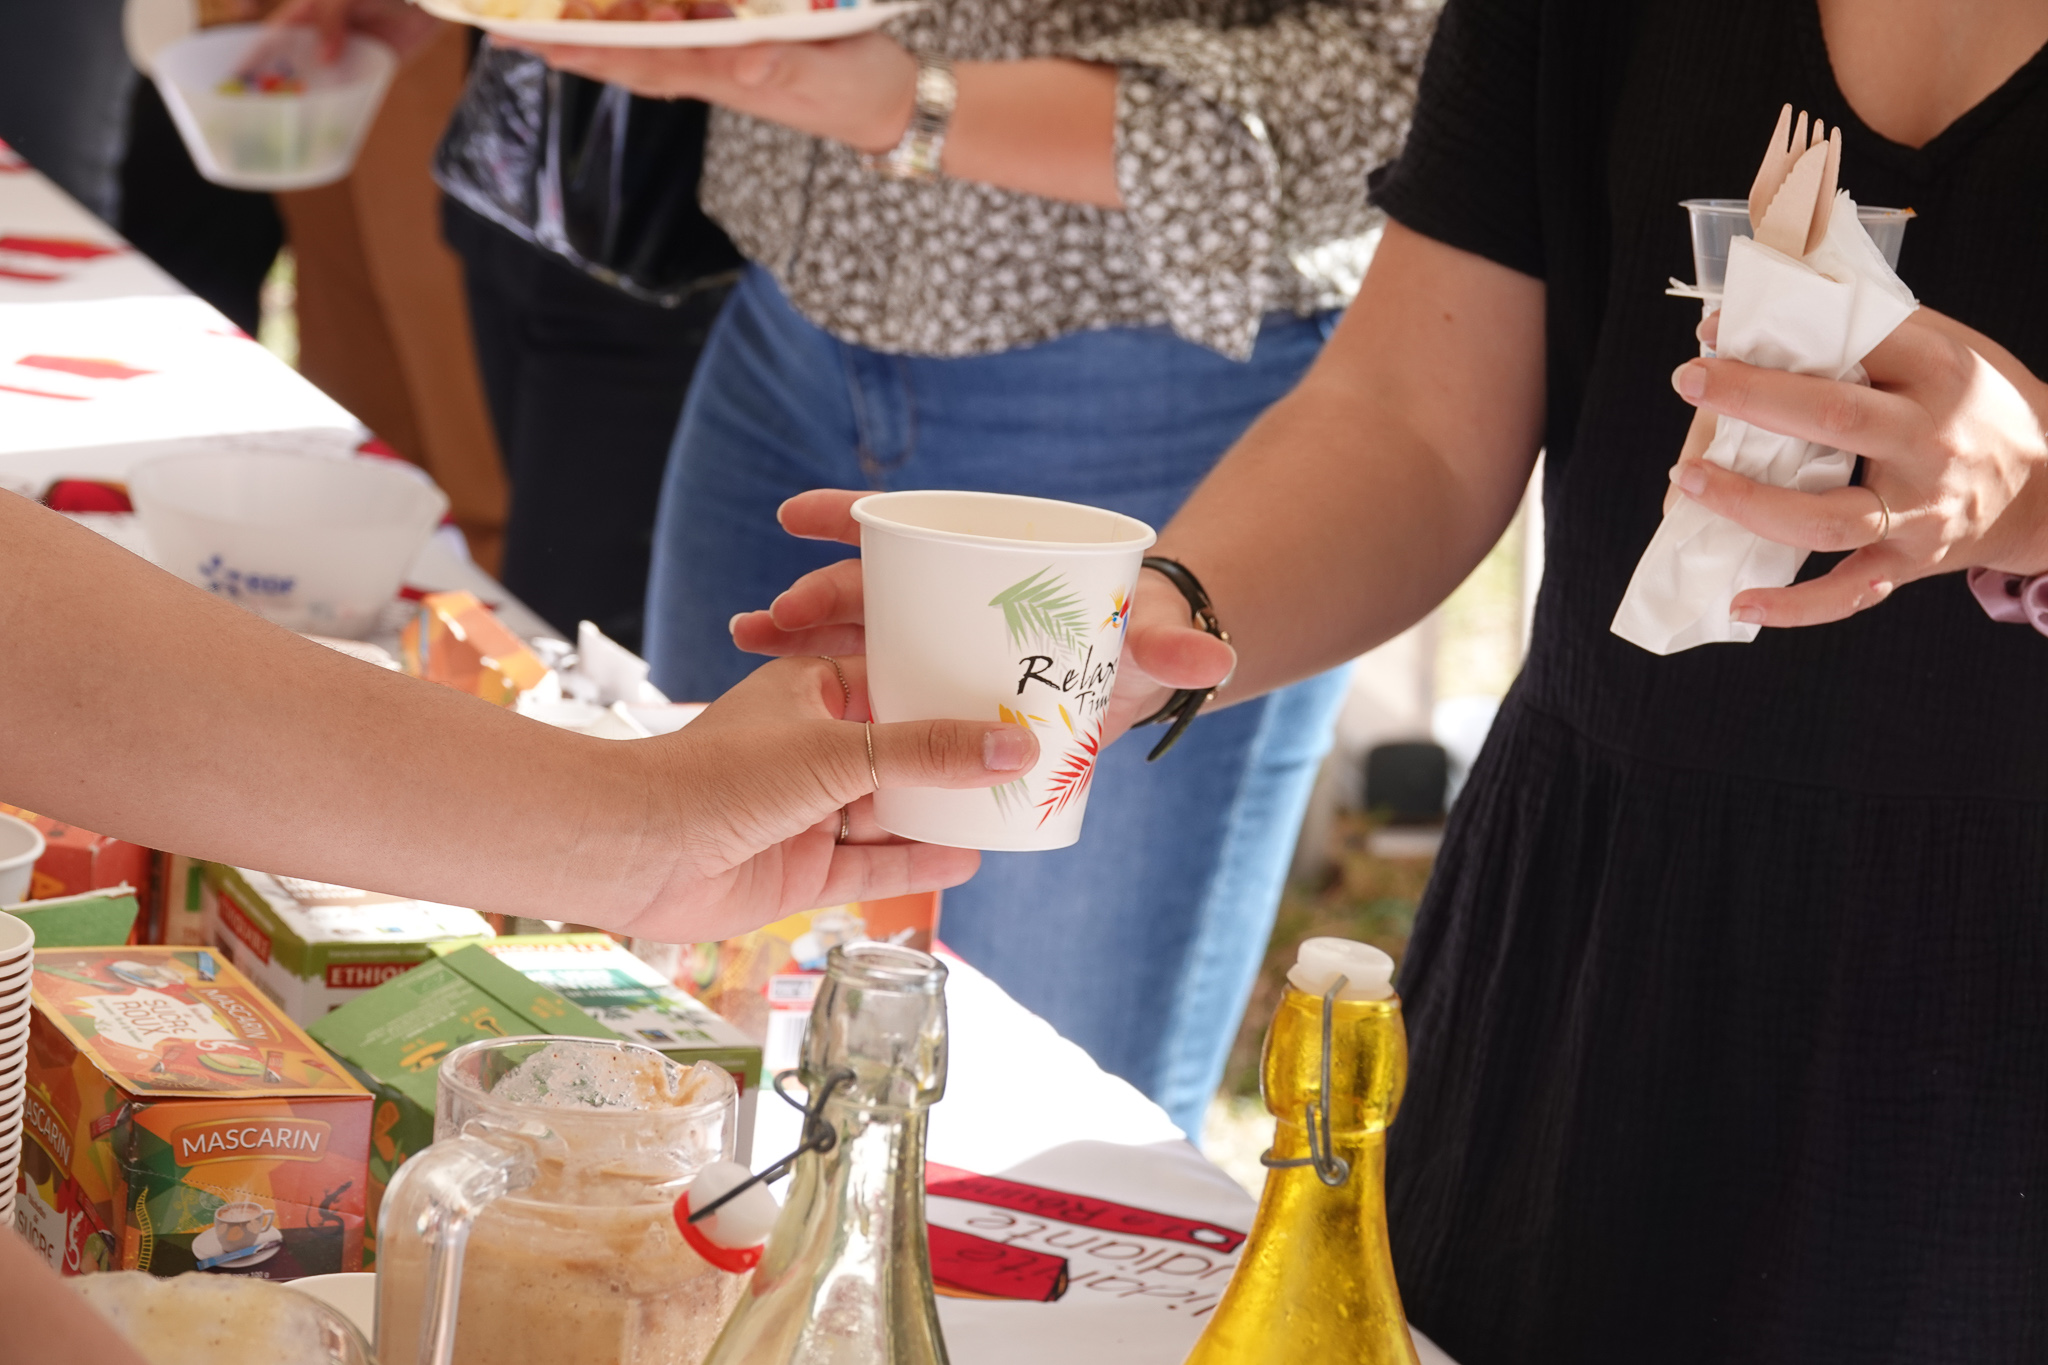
[[938, 747], [1950, 363], [1841, 410]]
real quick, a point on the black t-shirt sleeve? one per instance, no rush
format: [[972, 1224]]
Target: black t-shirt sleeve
[[1468, 174]]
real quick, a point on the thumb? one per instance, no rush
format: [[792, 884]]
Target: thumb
[[1180, 656], [951, 753]]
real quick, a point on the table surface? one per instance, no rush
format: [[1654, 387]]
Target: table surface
[[1021, 1101]]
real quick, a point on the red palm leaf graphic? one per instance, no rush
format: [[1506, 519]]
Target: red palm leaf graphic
[[1074, 775]]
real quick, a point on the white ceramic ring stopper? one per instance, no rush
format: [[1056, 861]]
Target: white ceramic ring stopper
[[1368, 972]]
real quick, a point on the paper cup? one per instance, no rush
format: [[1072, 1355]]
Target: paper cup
[[20, 845], [17, 940], [986, 606]]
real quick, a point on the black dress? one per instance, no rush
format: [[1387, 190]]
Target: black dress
[[1729, 1002]]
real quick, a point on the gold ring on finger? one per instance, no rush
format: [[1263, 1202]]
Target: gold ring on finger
[[1884, 530]]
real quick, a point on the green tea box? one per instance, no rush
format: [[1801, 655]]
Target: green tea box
[[313, 946], [393, 1038]]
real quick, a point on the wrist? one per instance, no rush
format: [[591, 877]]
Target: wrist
[[893, 111], [920, 146]]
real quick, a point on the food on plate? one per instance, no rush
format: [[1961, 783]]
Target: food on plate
[[267, 83], [645, 10]]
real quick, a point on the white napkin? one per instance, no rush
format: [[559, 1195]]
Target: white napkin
[[1818, 316]]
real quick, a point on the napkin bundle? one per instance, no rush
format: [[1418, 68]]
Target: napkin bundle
[[1819, 315]]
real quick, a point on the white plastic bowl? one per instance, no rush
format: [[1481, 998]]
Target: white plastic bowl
[[273, 141], [315, 544]]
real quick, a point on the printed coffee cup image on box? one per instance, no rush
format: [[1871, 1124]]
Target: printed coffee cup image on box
[[988, 606]]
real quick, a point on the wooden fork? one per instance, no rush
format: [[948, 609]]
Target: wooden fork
[[1797, 179]]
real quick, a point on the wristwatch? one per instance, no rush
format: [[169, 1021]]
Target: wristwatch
[[916, 157]]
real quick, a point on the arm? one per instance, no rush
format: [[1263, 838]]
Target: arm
[[134, 704], [1351, 508], [1359, 501], [1281, 118], [46, 1322], [1043, 126]]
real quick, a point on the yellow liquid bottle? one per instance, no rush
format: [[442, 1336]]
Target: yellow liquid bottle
[[1315, 1285]]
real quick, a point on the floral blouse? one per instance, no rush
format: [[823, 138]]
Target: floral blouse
[[1245, 131]]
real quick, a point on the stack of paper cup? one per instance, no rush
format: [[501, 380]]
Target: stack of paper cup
[[17, 961]]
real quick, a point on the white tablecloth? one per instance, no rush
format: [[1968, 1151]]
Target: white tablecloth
[[105, 361]]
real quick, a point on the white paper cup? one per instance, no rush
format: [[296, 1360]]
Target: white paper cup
[[17, 940], [20, 845], [987, 606]]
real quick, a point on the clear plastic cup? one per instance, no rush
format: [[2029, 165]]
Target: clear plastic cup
[[273, 140], [1716, 221]]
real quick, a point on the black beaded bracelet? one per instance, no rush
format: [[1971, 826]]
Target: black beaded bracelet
[[1181, 707]]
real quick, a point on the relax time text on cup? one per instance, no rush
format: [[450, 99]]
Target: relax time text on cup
[[986, 606]]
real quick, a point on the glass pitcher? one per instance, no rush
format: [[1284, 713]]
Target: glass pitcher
[[539, 1227]]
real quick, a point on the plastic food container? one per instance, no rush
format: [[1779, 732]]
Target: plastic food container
[[1716, 221], [316, 544], [272, 140]]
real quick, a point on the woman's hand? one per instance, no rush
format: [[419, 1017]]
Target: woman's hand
[[822, 613], [859, 90], [749, 796], [1957, 475], [405, 28]]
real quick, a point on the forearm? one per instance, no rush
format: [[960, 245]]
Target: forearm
[[1358, 502], [1321, 536], [132, 704], [1045, 127], [44, 1322]]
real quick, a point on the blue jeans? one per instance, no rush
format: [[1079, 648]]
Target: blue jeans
[[1140, 942]]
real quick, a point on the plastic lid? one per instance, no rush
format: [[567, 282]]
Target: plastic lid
[[1368, 972]]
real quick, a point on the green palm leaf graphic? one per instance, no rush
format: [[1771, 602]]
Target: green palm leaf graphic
[[1043, 610], [1012, 797]]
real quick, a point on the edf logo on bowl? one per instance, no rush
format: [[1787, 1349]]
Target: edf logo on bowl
[[229, 582]]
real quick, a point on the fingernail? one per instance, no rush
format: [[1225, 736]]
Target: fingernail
[[1748, 616], [1004, 750], [1692, 480], [1690, 379], [734, 624]]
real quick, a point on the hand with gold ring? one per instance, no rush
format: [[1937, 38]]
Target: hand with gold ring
[[767, 800], [1955, 474]]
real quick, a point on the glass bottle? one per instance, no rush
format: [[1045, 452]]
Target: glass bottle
[[846, 1277], [1315, 1284]]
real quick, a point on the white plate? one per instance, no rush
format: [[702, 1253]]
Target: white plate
[[207, 1245], [810, 26]]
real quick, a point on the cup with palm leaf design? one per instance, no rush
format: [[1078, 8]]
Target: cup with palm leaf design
[[990, 606]]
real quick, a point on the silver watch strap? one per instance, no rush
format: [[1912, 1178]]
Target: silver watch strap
[[916, 156]]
